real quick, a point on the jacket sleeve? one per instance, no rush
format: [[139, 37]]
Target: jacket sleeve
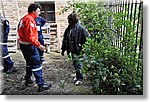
[[31, 33], [6, 29], [43, 21], [84, 35], [64, 42]]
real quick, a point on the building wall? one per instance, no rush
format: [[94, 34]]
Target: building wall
[[61, 19], [13, 10]]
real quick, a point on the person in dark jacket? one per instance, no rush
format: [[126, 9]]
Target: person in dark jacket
[[40, 22], [6, 60], [73, 39]]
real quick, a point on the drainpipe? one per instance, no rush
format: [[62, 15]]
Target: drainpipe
[[3, 13]]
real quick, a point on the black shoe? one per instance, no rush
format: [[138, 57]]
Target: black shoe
[[28, 82], [43, 87], [10, 71]]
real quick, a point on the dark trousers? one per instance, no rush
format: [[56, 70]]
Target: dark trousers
[[33, 63], [6, 60]]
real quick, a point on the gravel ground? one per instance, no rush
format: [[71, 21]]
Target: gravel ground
[[57, 70]]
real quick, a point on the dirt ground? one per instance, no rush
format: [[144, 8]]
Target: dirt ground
[[57, 70]]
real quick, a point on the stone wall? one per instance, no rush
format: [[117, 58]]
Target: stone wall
[[61, 19]]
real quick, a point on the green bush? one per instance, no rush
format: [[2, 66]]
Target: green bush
[[110, 58]]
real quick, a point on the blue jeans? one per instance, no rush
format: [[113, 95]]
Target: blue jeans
[[33, 63], [78, 66]]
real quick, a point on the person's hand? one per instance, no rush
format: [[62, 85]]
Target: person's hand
[[62, 53], [42, 48]]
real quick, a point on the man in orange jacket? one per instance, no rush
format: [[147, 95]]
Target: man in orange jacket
[[28, 39]]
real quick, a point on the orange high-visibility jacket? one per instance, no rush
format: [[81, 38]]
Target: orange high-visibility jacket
[[27, 30]]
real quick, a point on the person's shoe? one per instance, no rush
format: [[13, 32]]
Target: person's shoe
[[1, 68], [74, 79], [43, 87], [10, 71], [73, 75], [78, 82], [28, 82], [44, 62]]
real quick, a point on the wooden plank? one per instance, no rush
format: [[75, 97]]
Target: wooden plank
[[12, 49], [46, 36], [12, 37], [53, 29], [47, 41], [53, 32]]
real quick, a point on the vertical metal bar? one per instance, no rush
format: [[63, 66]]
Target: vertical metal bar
[[131, 26], [118, 34], [109, 22], [136, 43], [137, 28], [141, 39], [128, 9], [117, 26], [131, 12], [114, 12], [127, 30], [134, 19], [121, 9], [114, 8], [134, 14], [124, 28]]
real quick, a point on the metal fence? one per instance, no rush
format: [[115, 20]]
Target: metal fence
[[128, 35]]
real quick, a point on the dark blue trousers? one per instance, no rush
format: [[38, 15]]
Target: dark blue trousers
[[33, 63], [6, 60]]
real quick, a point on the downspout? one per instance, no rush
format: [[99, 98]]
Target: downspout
[[3, 13]]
